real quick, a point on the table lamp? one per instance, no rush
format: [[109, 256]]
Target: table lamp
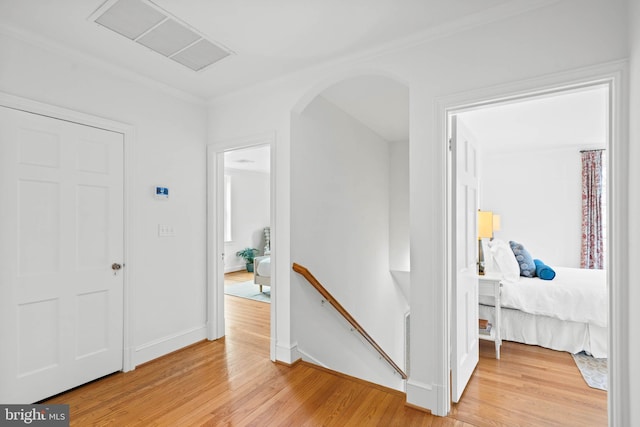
[[485, 231]]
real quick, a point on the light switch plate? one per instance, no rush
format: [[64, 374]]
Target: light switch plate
[[166, 230]]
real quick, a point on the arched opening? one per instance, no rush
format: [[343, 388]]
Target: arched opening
[[350, 224]]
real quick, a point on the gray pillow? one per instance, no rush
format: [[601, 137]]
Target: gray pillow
[[524, 258]]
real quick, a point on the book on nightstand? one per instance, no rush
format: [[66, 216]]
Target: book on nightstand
[[484, 327]]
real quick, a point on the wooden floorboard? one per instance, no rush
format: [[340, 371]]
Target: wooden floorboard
[[232, 382]]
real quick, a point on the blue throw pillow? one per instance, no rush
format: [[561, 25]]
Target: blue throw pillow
[[525, 261], [543, 271]]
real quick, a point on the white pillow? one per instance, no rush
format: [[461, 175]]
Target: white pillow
[[489, 249], [490, 265], [506, 260]]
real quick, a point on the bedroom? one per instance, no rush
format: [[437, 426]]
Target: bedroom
[[530, 175], [247, 221]]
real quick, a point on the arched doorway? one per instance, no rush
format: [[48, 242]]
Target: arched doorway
[[350, 222]]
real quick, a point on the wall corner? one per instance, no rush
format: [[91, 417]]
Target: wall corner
[[288, 354], [425, 396]]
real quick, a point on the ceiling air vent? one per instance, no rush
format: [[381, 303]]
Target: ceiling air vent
[[149, 25]]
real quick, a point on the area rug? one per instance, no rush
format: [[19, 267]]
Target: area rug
[[249, 290], [594, 371]]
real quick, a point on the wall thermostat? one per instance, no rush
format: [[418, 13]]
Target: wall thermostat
[[162, 193]]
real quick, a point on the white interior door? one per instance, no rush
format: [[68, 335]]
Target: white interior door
[[61, 228], [464, 316]]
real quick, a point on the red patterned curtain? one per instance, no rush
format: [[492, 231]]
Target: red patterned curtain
[[592, 250]]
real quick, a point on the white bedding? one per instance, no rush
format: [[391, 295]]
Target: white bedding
[[264, 267], [549, 332], [568, 313], [575, 294]]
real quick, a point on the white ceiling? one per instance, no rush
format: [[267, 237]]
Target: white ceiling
[[565, 119], [256, 159], [277, 37], [575, 118], [379, 103], [269, 38]]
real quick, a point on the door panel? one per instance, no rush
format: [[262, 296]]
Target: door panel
[[61, 221], [464, 316], [38, 231]]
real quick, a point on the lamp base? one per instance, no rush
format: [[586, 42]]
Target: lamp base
[[480, 258]]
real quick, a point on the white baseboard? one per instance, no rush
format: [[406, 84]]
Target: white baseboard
[[423, 396], [160, 347], [288, 354], [399, 385], [308, 358], [232, 268]]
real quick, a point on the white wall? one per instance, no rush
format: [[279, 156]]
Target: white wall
[[631, 292], [249, 214], [399, 206], [559, 37], [340, 231], [167, 274], [537, 194]]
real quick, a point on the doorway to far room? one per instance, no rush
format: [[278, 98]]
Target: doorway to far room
[[247, 243], [535, 160]]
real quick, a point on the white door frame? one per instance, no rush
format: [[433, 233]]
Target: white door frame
[[615, 75], [215, 211], [128, 131]]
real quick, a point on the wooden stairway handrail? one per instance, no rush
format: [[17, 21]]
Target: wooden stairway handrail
[[344, 313]]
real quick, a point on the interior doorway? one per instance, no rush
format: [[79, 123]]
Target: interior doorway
[[240, 223], [513, 135], [247, 223]]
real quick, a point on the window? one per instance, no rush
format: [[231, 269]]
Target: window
[[227, 208]]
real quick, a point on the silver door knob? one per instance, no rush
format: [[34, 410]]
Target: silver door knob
[[116, 266]]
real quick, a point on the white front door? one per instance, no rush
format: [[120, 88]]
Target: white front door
[[464, 316], [61, 230]]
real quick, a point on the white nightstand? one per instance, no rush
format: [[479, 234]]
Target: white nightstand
[[489, 285]]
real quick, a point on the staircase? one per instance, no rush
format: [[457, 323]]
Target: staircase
[[347, 316]]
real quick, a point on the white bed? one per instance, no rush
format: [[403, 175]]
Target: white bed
[[568, 313]]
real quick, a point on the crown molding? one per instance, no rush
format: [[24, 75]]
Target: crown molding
[[91, 61], [447, 29], [450, 28]]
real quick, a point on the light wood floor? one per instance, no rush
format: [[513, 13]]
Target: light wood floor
[[237, 277], [232, 382]]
